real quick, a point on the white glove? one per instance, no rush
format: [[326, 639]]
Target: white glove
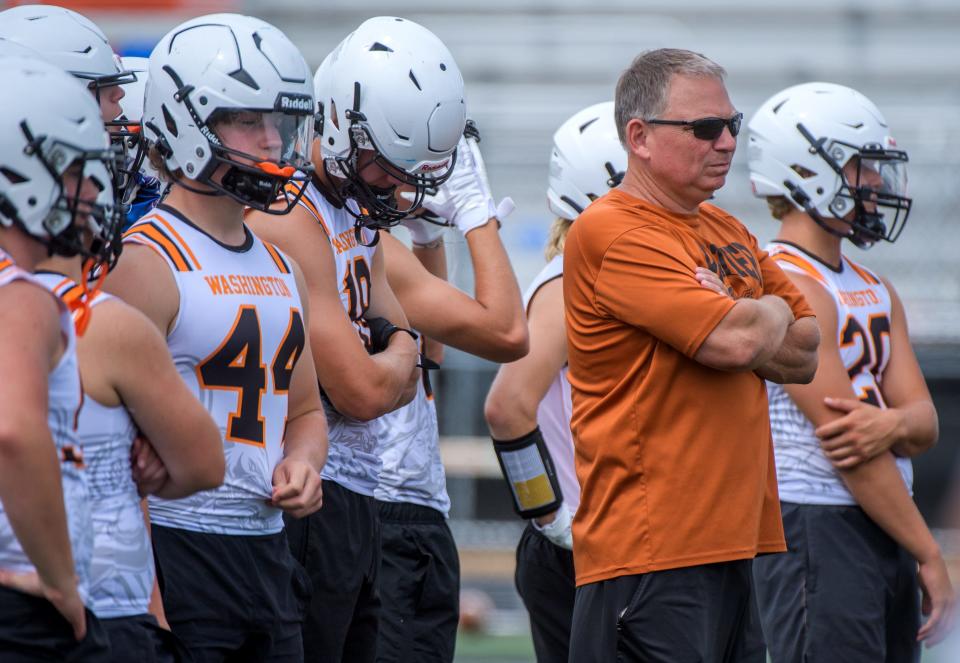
[[464, 200], [422, 233], [558, 531]]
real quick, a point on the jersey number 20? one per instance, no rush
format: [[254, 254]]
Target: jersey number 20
[[237, 365]]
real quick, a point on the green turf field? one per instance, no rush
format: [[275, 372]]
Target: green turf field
[[472, 648]]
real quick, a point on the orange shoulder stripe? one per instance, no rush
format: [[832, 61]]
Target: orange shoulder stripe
[[156, 238], [281, 264], [5, 263], [800, 263], [308, 204], [864, 274], [182, 244]]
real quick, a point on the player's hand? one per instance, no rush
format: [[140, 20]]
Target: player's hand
[[712, 281], [67, 600], [864, 431], [297, 488], [557, 527], [422, 232], [149, 472], [938, 601]]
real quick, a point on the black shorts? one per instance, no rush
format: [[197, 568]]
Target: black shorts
[[419, 585], [32, 630], [139, 638], [704, 613], [545, 581], [231, 597], [844, 591], [339, 546]]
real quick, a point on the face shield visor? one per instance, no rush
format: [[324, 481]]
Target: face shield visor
[[261, 151]]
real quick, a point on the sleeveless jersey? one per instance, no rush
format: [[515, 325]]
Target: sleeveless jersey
[[409, 448], [804, 474], [235, 340], [352, 459], [554, 411], [65, 400], [121, 571]]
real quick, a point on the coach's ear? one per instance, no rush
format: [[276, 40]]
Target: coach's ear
[[636, 135]]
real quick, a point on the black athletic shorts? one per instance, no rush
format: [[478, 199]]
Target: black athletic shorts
[[32, 630], [844, 591], [140, 639], [419, 585], [339, 546], [696, 614], [237, 598], [546, 583]]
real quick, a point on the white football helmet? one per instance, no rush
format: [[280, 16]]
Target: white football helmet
[[67, 39], [391, 86], [227, 68], [49, 123], [800, 140], [586, 161]]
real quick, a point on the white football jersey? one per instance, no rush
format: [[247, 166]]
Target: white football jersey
[[352, 459], [235, 341], [121, 570], [409, 448], [65, 401], [554, 411], [804, 474]]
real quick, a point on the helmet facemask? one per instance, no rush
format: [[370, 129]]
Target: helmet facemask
[[873, 202], [377, 207], [96, 238]]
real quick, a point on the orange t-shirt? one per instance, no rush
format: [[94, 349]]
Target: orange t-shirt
[[675, 459]]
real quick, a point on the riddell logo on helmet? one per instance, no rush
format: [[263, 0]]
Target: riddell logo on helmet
[[294, 102], [429, 168]]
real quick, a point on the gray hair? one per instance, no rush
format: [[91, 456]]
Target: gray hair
[[644, 87]]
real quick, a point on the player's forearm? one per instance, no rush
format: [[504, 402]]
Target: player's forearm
[[32, 496], [497, 292], [509, 415], [795, 362], [919, 429], [878, 488], [306, 438], [434, 260]]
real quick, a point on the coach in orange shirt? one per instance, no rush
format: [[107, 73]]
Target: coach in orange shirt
[[674, 318]]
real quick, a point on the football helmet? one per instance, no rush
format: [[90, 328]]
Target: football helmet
[[390, 87], [238, 71], [586, 161], [51, 123], [67, 39], [800, 141]]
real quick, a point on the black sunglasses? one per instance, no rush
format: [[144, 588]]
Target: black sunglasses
[[707, 128]]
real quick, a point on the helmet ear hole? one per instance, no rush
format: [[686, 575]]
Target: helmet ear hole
[[169, 121], [12, 176], [803, 172]]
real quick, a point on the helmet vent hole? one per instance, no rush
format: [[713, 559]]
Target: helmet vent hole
[[819, 190], [583, 127], [12, 176], [244, 77], [805, 173], [415, 81], [32, 201], [377, 46], [776, 109], [169, 121], [443, 67]]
